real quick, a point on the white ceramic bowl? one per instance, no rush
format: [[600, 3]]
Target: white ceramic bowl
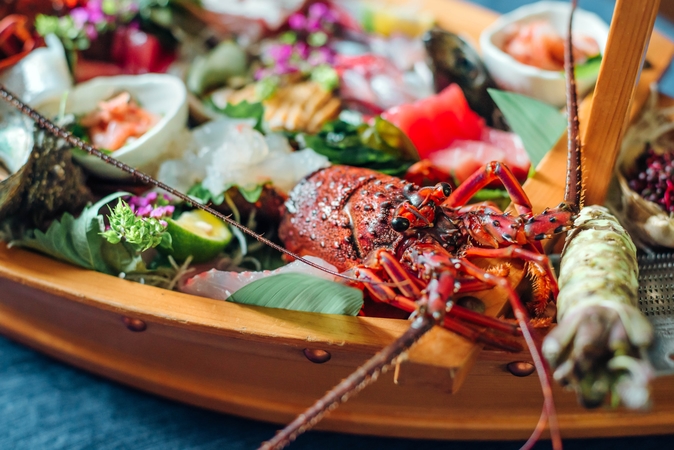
[[164, 95], [545, 85]]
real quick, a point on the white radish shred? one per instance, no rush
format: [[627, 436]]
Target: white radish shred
[[219, 285]]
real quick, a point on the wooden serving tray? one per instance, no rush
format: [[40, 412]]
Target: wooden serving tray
[[253, 362]]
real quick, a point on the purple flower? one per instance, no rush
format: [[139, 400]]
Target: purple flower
[[283, 67], [141, 201], [90, 30], [95, 9], [322, 55], [297, 21], [318, 10], [144, 211], [302, 50], [162, 211], [314, 25], [80, 16], [280, 52]]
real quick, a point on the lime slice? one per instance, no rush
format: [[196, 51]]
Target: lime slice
[[199, 234]]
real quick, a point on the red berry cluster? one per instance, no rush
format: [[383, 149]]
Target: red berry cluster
[[655, 179]]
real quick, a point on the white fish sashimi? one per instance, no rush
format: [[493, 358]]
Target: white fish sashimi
[[228, 152], [220, 284]]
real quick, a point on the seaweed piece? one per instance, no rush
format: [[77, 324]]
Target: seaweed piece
[[43, 181]]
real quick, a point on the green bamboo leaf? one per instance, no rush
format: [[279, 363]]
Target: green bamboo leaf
[[538, 124], [300, 292]]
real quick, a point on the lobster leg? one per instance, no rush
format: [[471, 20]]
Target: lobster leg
[[381, 292], [481, 178], [544, 286], [398, 274], [528, 333]]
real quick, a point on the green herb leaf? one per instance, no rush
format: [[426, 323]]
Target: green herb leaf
[[203, 195], [76, 241], [300, 292], [143, 233], [382, 146], [538, 124], [589, 68], [326, 76], [251, 194], [245, 110]]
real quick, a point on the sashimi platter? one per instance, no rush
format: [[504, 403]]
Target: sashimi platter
[[263, 207]]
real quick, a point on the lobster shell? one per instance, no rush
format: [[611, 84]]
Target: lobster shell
[[341, 214]]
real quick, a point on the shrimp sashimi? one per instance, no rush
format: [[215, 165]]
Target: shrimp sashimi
[[538, 44], [117, 121]]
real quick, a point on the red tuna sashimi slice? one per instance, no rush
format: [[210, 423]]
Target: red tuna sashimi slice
[[435, 122]]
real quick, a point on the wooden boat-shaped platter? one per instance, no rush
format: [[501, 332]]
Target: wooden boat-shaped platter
[[257, 362]]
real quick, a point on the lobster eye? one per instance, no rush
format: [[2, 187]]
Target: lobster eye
[[446, 188], [400, 224]]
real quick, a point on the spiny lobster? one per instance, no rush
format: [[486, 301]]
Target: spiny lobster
[[412, 248]]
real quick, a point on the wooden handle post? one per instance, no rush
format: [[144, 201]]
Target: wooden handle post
[[630, 31]]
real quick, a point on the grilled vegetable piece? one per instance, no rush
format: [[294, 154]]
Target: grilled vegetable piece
[[599, 344]]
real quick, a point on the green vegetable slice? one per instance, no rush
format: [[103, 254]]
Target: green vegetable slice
[[301, 292]]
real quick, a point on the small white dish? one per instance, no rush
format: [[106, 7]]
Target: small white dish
[[544, 85], [164, 95]]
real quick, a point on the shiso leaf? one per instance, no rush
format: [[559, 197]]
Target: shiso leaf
[[74, 240], [300, 292], [538, 124]]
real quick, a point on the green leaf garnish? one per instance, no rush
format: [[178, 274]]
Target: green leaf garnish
[[245, 110], [326, 76], [203, 195], [300, 292], [347, 140], [142, 233], [589, 68], [538, 124], [74, 240], [251, 194]]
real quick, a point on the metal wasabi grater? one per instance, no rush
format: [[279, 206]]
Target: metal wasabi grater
[[656, 301]]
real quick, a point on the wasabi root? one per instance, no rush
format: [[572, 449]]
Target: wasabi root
[[599, 346]]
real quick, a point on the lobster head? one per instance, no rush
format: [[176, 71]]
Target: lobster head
[[420, 206]]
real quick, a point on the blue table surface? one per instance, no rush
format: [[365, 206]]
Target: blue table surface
[[45, 404]]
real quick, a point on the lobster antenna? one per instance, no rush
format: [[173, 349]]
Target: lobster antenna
[[54, 129], [573, 192], [351, 385]]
